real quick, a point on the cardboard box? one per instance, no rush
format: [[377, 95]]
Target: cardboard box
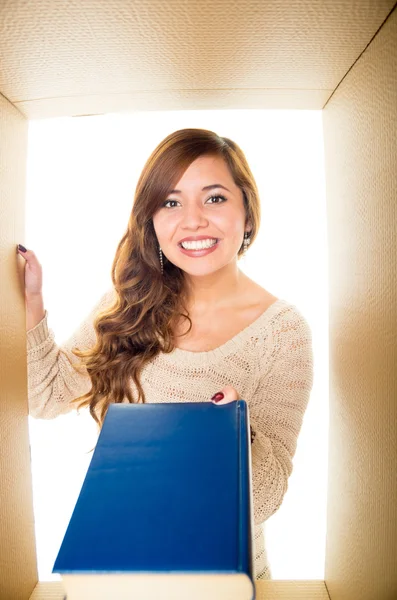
[[341, 57]]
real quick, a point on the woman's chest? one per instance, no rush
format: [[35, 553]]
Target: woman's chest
[[211, 331], [207, 334]]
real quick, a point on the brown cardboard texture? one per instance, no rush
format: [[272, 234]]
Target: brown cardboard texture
[[97, 57]]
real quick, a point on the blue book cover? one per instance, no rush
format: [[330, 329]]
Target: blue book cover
[[168, 490]]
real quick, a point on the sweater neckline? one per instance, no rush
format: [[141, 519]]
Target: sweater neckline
[[179, 355]]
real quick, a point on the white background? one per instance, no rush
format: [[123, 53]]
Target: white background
[[82, 174]]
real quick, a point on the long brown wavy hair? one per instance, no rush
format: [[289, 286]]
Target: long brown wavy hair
[[148, 305]]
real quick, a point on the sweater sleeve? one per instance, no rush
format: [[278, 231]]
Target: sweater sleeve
[[52, 379], [277, 409]]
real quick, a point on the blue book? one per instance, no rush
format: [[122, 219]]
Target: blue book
[[166, 507]]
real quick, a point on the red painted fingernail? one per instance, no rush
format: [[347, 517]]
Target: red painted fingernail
[[217, 397]]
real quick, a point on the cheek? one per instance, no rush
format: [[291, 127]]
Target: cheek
[[158, 222], [163, 226], [232, 225]]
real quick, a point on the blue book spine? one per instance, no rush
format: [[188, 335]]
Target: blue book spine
[[245, 500]]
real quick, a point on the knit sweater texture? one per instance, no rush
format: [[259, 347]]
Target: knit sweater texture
[[269, 362]]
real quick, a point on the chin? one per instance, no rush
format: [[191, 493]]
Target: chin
[[203, 270]]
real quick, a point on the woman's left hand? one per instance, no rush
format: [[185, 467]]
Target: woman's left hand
[[229, 394]]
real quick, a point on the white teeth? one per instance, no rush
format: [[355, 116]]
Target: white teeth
[[200, 245]]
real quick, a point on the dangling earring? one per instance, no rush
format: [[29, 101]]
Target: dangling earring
[[246, 242], [161, 260]]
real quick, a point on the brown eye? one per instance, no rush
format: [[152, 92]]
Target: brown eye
[[215, 197], [167, 201]]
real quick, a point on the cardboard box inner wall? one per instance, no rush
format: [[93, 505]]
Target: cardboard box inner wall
[[337, 56]]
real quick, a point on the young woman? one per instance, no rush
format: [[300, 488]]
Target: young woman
[[182, 322]]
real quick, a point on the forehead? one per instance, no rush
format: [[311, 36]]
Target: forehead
[[206, 170]]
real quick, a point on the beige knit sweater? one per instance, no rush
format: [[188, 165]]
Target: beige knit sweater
[[270, 363]]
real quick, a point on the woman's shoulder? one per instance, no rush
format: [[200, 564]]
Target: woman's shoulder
[[270, 309], [285, 334], [279, 321]]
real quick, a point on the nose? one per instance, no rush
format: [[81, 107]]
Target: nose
[[193, 216]]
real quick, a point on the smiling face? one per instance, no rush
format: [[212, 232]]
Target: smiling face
[[206, 203]]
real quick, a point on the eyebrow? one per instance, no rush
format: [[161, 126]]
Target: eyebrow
[[207, 187]]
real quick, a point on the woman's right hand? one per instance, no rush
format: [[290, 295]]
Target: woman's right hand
[[33, 274]]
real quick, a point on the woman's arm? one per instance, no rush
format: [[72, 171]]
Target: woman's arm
[[34, 310], [277, 409], [52, 379]]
